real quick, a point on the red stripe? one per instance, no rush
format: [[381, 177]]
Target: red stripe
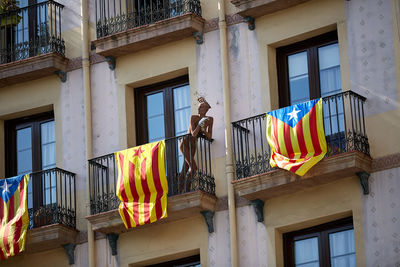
[[126, 215], [314, 130], [275, 136], [121, 178], [300, 139], [288, 141], [134, 192], [146, 191], [157, 181], [18, 226]]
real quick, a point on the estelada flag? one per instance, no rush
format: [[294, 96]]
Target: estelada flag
[[296, 136], [142, 184], [14, 218]]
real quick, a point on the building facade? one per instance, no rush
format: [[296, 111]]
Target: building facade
[[80, 80]]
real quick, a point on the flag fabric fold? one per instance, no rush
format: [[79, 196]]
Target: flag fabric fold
[[142, 184], [14, 218], [296, 136]]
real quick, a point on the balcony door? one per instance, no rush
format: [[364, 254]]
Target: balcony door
[[163, 112], [31, 148]]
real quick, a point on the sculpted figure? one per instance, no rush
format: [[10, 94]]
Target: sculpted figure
[[199, 125]]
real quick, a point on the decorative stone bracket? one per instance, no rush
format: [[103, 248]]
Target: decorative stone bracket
[[209, 218], [70, 251], [364, 177], [251, 22], [112, 241], [111, 62], [258, 206], [62, 75], [199, 37]]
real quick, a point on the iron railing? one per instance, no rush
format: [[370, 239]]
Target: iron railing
[[114, 16], [52, 198], [104, 172], [31, 31], [344, 131]]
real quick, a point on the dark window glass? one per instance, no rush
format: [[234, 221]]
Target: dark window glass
[[309, 69], [330, 245]]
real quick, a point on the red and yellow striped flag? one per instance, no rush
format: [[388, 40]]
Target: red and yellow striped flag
[[14, 218], [296, 136], [142, 184]]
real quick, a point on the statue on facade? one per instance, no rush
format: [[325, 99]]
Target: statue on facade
[[200, 125]]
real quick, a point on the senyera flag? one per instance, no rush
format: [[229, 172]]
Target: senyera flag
[[14, 218], [296, 136], [142, 184]]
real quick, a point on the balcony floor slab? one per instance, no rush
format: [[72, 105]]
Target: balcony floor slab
[[280, 182], [31, 68], [49, 237], [257, 8], [149, 36], [179, 207]]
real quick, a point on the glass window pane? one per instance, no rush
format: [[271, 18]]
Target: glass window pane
[[342, 249], [48, 142], [306, 252], [155, 117], [298, 78], [181, 115], [24, 150], [181, 109], [24, 157], [329, 70]]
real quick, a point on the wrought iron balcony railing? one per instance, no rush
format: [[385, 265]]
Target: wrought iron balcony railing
[[52, 198], [31, 31], [104, 172], [344, 131], [114, 16]]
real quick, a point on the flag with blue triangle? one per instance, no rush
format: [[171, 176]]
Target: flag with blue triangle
[[14, 218]]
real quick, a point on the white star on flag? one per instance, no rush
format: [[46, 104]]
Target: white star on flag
[[5, 187], [293, 114]]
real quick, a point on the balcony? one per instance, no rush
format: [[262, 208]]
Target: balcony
[[129, 26], [257, 8], [187, 197], [52, 210], [347, 143], [31, 45]]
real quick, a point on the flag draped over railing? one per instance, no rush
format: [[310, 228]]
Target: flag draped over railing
[[296, 136], [142, 184], [14, 218]]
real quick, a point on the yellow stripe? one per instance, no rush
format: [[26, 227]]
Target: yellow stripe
[[163, 177], [152, 188], [307, 135]]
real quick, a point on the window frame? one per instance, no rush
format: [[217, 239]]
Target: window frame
[[311, 47], [11, 127], [322, 232], [187, 261], [141, 107]]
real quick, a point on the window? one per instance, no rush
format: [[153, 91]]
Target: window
[[31, 147], [193, 261], [309, 69], [330, 244], [162, 110]]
